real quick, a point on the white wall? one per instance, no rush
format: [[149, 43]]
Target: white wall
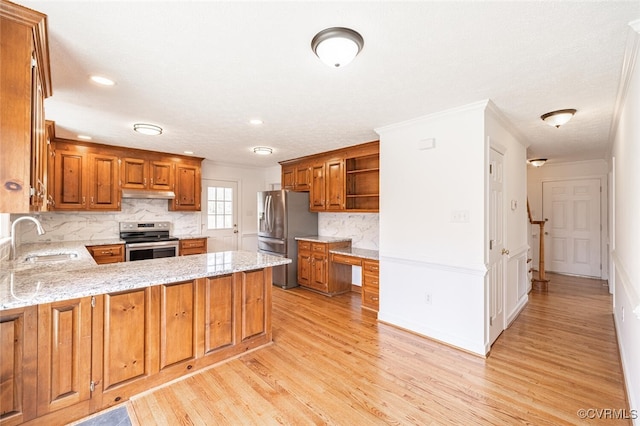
[[423, 254], [625, 241], [592, 169]]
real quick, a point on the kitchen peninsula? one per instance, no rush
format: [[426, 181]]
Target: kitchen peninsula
[[81, 337]]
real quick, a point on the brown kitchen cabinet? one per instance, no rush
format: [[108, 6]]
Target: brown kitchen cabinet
[[313, 267], [25, 81], [103, 254], [18, 364], [297, 176], [189, 246], [83, 179], [188, 187], [344, 180], [64, 354], [144, 173], [371, 284]]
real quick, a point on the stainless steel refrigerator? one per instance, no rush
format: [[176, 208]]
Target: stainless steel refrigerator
[[282, 216]]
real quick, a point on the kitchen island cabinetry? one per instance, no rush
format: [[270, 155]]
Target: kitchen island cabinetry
[[63, 360], [191, 246], [25, 81], [18, 364], [313, 265]]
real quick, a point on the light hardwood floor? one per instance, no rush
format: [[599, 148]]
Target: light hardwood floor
[[332, 363]]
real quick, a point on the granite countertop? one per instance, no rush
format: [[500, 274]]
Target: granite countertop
[[357, 252], [322, 239], [24, 283]]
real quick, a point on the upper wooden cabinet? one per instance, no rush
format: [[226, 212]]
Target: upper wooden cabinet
[[25, 80], [187, 188], [142, 173], [344, 180]]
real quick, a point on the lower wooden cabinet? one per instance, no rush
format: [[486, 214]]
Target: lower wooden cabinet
[[18, 365], [314, 271], [103, 254], [370, 285], [65, 360], [191, 246]]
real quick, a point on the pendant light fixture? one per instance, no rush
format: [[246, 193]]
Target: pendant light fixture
[[337, 46], [558, 118]]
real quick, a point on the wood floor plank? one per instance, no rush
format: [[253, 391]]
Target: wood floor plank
[[333, 363]]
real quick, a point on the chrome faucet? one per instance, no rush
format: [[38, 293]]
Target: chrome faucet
[[39, 228]]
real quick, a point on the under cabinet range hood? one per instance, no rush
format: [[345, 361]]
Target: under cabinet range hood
[[145, 193]]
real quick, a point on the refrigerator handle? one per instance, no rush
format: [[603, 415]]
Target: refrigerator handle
[[267, 210]]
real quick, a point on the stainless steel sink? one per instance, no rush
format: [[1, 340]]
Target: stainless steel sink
[[53, 257]]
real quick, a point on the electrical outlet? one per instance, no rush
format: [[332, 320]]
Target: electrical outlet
[[427, 298], [460, 216]]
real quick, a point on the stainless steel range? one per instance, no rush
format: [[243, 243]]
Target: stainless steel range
[[148, 240]]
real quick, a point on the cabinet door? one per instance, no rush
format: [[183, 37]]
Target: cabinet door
[[304, 268], [319, 272], [318, 190], [134, 173], [177, 323], [64, 354], [69, 185], [303, 177], [104, 193], [161, 175], [334, 180], [187, 188], [18, 364], [219, 313], [39, 152], [288, 177], [129, 340], [254, 296]]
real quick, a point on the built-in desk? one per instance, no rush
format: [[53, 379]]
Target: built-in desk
[[341, 260]]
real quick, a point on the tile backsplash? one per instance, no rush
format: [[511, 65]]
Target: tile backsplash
[[362, 228], [83, 226]]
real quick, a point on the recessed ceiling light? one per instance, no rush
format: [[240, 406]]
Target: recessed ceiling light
[[84, 137], [188, 152], [256, 121], [262, 150], [104, 81], [147, 129]]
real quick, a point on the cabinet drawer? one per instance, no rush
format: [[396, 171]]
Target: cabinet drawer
[[107, 254], [371, 267], [346, 259], [319, 248], [370, 299], [304, 246], [370, 281], [193, 246]]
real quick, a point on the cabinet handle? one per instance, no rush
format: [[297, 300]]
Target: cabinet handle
[[91, 200], [83, 200], [375, 299], [144, 181]]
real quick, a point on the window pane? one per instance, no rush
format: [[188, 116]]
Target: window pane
[[228, 208], [211, 192], [228, 194], [211, 207], [227, 222], [219, 193], [219, 222]]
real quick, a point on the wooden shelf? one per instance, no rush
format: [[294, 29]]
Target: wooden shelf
[[363, 170]]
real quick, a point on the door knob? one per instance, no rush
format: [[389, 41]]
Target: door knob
[[546, 233], [505, 251]]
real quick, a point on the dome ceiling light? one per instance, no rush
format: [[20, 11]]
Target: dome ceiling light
[[538, 162], [147, 129], [559, 117], [337, 46]]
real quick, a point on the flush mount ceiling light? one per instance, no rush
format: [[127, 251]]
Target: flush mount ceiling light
[[558, 118], [262, 150], [538, 162], [104, 81], [256, 121], [337, 46], [147, 129]]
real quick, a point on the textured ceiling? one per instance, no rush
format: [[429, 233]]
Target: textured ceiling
[[202, 69]]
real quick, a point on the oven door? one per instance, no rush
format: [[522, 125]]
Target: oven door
[[155, 250]]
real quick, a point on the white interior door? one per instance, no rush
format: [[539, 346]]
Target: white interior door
[[572, 233], [220, 215], [496, 245]]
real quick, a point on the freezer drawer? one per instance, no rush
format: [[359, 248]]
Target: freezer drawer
[[272, 245]]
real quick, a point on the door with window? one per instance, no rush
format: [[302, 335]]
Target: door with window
[[220, 214]]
